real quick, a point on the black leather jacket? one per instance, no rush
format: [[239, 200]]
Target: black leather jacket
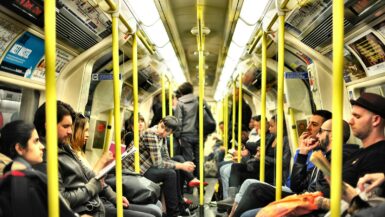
[[78, 185]]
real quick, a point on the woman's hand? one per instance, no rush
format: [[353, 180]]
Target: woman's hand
[[125, 202]]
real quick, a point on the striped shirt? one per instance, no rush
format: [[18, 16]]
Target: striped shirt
[[153, 152]]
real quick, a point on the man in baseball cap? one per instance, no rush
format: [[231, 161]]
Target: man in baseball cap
[[367, 123]]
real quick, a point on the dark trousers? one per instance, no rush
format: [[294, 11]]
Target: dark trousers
[[183, 176], [170, 188], [189, 149], [257, 195], [239, 174], [132, 211]]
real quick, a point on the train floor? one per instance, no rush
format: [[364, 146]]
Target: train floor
[[209, 207]]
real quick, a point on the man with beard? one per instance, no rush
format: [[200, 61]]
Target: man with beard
[[258, 194], [303, 180]]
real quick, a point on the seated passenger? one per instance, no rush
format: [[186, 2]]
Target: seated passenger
[[128, 135], [367, 184], [156, 164], [78, 142], [231, 158], [248, 189], [241, 172], [367, 123], [77, 183], [20, 141]]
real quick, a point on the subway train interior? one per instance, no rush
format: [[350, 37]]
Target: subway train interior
[[118, 60]]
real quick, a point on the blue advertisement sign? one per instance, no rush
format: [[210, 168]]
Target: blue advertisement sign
[[23, 56], [296, 75]]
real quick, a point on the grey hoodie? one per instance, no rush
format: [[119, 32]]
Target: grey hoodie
[[186, 112]]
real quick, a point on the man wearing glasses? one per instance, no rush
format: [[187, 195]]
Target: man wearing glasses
[[156, 164]]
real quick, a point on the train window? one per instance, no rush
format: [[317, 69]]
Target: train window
[[10, 101]]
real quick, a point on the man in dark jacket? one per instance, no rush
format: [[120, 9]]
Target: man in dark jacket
[[301, 179], [260, 194]]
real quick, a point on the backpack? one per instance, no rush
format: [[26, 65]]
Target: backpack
[[24, 193], [209, 124]]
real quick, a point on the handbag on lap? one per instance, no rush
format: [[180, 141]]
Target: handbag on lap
[[137, 188]]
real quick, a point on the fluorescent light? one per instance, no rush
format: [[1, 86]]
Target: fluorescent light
[[149, 19], [242, 33], [157, 33], [252, 10], [235, 52], [145, 11], [250, 13]]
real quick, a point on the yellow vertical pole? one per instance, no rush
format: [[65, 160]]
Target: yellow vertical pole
[[201, 47], [281, 63], [233, 115], [224, 119], [263, 111], [135, 92], [226, 124], [170, 96], [240, 118], [106, 145], [117, 86], [163, 95], [338, 63], [293, 130], [51, 108]]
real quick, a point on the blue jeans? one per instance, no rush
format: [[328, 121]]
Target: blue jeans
[[224, 172], [250, 213]]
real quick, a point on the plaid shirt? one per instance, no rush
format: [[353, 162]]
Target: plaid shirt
[[153, 152]]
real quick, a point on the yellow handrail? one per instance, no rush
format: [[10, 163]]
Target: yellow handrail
[[201, 47], [294, 134], [170, 94], [233, 114], [281, 64], [149, 47], [226, 124], [337, 132], [51, 107], [163, 95], [263, 111], [106, 145], [240, 118], [255, 41], [135, 97], [117, 124]]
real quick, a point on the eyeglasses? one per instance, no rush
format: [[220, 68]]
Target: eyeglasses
[[322, 130]]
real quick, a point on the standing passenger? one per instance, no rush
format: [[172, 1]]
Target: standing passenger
[[187, 111]]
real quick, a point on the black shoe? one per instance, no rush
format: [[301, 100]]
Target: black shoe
[[225, 204], [185, 212], [192, 207]]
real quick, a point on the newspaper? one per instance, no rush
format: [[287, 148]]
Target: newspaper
[[109, 167]]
